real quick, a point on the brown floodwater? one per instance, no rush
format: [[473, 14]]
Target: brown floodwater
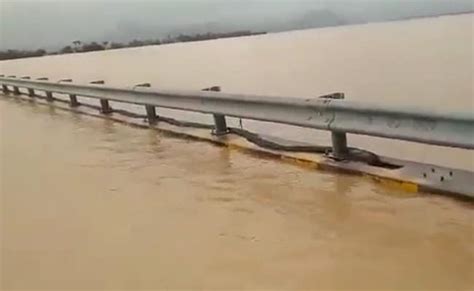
[[87, 203], [90, 204]]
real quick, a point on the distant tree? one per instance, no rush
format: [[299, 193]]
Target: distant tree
[[183, 38], [8, 54], [17, 54], [136, 43], [93, 46], [39, 53], [168, 39], [67, 50], [116, 45], [77, 45]]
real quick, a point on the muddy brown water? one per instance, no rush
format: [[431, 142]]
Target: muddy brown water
[[90, 204]]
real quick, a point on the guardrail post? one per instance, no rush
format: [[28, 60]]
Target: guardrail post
[[220, 124], [49, 95], [151, 113], [31, 92], [16, 91], [150, 109], [105, 106], [5, 87], [72, 97], [338, 138], [104, 103], [339, 145]]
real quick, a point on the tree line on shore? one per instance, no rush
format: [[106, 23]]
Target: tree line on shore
[[78, 46]]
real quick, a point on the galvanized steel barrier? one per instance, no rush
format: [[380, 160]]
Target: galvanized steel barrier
[[454, 129]]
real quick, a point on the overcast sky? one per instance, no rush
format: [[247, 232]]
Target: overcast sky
[[53, 23]]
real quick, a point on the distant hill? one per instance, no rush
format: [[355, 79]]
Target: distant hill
[[312, 19]]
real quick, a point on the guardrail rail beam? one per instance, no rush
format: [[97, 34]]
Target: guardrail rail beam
[[427, 126]]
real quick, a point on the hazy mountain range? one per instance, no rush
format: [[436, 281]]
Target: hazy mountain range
[[50, 24]]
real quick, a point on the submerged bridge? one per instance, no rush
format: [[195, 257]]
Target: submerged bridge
[[331, 113]]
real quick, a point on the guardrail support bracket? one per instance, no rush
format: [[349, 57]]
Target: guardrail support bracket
[[5, 89], [31, 92]]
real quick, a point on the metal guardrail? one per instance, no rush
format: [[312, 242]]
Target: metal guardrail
[[455, 129]]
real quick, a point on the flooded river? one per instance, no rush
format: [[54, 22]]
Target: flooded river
[[90, 204], [423, 63]]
